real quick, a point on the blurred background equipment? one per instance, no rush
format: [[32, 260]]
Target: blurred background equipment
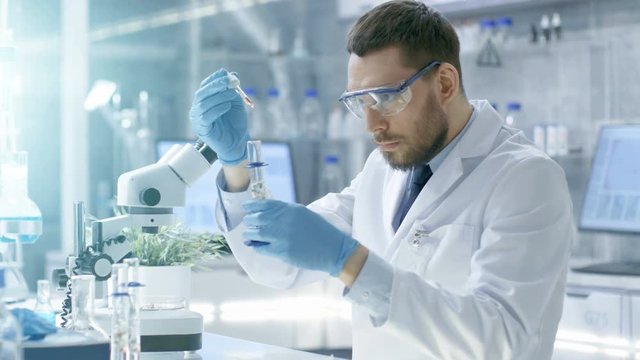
[[20, 217]]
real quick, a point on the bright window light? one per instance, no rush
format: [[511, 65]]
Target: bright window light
[[207, 310], [592, 339], [585, 349], [285, 309], [100, 94]]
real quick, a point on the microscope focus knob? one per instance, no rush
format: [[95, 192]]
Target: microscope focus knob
[[100, 266], [150, 197]]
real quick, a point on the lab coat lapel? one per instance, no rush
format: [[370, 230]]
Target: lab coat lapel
[[476, 142]]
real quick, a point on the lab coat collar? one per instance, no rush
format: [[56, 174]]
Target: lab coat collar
[[482, 133], [477, 141]]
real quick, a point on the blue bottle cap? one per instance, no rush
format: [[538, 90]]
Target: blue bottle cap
[[513, 106], [331, 159], [504, 21], [311, 93], [273, 92], [487, 24]]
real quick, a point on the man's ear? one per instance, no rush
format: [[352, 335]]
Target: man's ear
[[448, 83]]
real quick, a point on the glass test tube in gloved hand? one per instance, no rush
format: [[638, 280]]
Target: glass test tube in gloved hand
[[234, 83], [257, 184]]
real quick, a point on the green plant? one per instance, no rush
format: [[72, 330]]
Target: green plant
[[175, 245]]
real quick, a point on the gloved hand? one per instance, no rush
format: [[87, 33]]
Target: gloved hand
[[34, 327], [219, 118], [296, 235]]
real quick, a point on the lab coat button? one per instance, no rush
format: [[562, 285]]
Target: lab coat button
[[416, 242], [226, 202], [365, 295]]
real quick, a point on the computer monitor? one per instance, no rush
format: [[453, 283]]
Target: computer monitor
[[201, 198], [612, 199]]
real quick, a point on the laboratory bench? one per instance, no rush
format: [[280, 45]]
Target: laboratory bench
[[214, 347]]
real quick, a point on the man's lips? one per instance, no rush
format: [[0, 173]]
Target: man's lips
[[388, 146]]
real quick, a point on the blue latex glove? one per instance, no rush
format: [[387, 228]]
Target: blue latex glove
[[296, 235], [219, 118], [34, 326]]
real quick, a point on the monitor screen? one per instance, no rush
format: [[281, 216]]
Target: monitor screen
[[612, 200], [201, 198]]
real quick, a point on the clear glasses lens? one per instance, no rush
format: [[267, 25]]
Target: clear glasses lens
[[387, 104]]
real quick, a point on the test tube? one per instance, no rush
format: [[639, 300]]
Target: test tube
[[234, 83], [134, 316], [120, 326], [257, 185]]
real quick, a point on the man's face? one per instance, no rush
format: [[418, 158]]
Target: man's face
[[415, 135]]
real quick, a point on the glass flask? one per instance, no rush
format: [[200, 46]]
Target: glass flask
[[82, 298], [20, 221], [43, 302]]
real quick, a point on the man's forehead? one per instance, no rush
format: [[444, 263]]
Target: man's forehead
[[378, 68]]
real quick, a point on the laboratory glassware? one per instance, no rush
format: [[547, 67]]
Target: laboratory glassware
[[280, 118], [20, 220], [118, 282], [133, 288], [257, 184], [234, 83], [512, 116], [43, 302], [331, 180], [8, 132], [311, 117], [82, 299], [120, 316]]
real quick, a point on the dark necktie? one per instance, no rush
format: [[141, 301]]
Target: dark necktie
[[419, 178]]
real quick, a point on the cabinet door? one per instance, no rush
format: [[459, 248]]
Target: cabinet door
[[635, 321], [591, 315]]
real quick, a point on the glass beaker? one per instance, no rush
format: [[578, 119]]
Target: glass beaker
[[82, 298]]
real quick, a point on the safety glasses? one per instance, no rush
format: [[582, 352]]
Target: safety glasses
[[388, 101]]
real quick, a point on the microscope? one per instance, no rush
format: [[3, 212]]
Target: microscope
[[148, 196]]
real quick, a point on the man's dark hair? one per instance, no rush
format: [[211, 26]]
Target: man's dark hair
[[421, 33]]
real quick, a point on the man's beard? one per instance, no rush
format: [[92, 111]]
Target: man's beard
[[429, 139]]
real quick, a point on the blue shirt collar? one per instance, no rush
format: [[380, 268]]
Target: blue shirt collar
[[435, 163]]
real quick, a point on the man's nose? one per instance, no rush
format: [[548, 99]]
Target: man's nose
[[375, 121]]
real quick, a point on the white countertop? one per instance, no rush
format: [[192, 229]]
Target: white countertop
[[215, 347]]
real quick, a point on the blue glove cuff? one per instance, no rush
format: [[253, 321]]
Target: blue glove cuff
[[236, 155], [349, 246], [234, 162]]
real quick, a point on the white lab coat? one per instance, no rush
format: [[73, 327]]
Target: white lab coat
[[479, 261]]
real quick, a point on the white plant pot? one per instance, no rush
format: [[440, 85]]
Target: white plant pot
[[165, 287]]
